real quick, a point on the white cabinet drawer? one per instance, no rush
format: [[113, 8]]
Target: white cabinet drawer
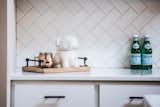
[[53, 95], [118, 95]]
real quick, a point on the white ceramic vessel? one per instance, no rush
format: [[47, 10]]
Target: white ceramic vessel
[[66, 55]]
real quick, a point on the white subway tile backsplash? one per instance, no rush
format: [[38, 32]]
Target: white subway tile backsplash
[[39, 5], [137, 5], [110, 19], [29, 18], [121, 5], [24, 6], [103, 27], [87, 5], [126, 19], [143, 19]]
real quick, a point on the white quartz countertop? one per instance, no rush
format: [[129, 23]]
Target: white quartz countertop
[[96, 74], [152, 100]]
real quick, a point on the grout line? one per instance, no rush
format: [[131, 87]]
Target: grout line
[[97, 88]]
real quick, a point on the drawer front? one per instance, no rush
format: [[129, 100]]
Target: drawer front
[[125, 95], [53, 95]]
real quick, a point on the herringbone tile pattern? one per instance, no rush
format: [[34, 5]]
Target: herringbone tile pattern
[[103, 27]]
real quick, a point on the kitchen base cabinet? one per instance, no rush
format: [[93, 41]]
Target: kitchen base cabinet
[[81, 94], [53, 95], [120, 95]]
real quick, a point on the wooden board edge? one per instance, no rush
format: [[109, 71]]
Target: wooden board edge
[[55, 70]]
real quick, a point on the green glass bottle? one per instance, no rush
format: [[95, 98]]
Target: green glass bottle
[[146, 54], [135, 56]]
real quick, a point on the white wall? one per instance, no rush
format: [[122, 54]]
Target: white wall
[[3, 52], [104, 28]]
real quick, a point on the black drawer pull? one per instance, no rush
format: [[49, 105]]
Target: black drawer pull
[[47, 97], [135, 98]]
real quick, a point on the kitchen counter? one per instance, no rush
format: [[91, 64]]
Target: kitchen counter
[[96, 74], [152, 100]]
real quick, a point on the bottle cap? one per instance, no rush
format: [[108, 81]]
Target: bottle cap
[[146, 36], [135, 36]]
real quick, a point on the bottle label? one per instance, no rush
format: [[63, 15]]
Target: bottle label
[[135, 46], [135, 59], [147, 46], [147, 59]]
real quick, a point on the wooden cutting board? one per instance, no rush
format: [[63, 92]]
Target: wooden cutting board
[[55, 70]]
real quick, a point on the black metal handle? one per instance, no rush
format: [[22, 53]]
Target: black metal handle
[[27, 61], [133, 98], [85, 60], [47, 97]]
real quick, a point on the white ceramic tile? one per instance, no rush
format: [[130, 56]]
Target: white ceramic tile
[[155, 23], [88, 5], [93, 20], [39, 5], [143, 19], [24, 6], [152, 5], [19, 14], [110, 19], [130, 30], [121, 5], [105, 5], [29, 18], [137, 5], [72, 6], [126, 19]]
